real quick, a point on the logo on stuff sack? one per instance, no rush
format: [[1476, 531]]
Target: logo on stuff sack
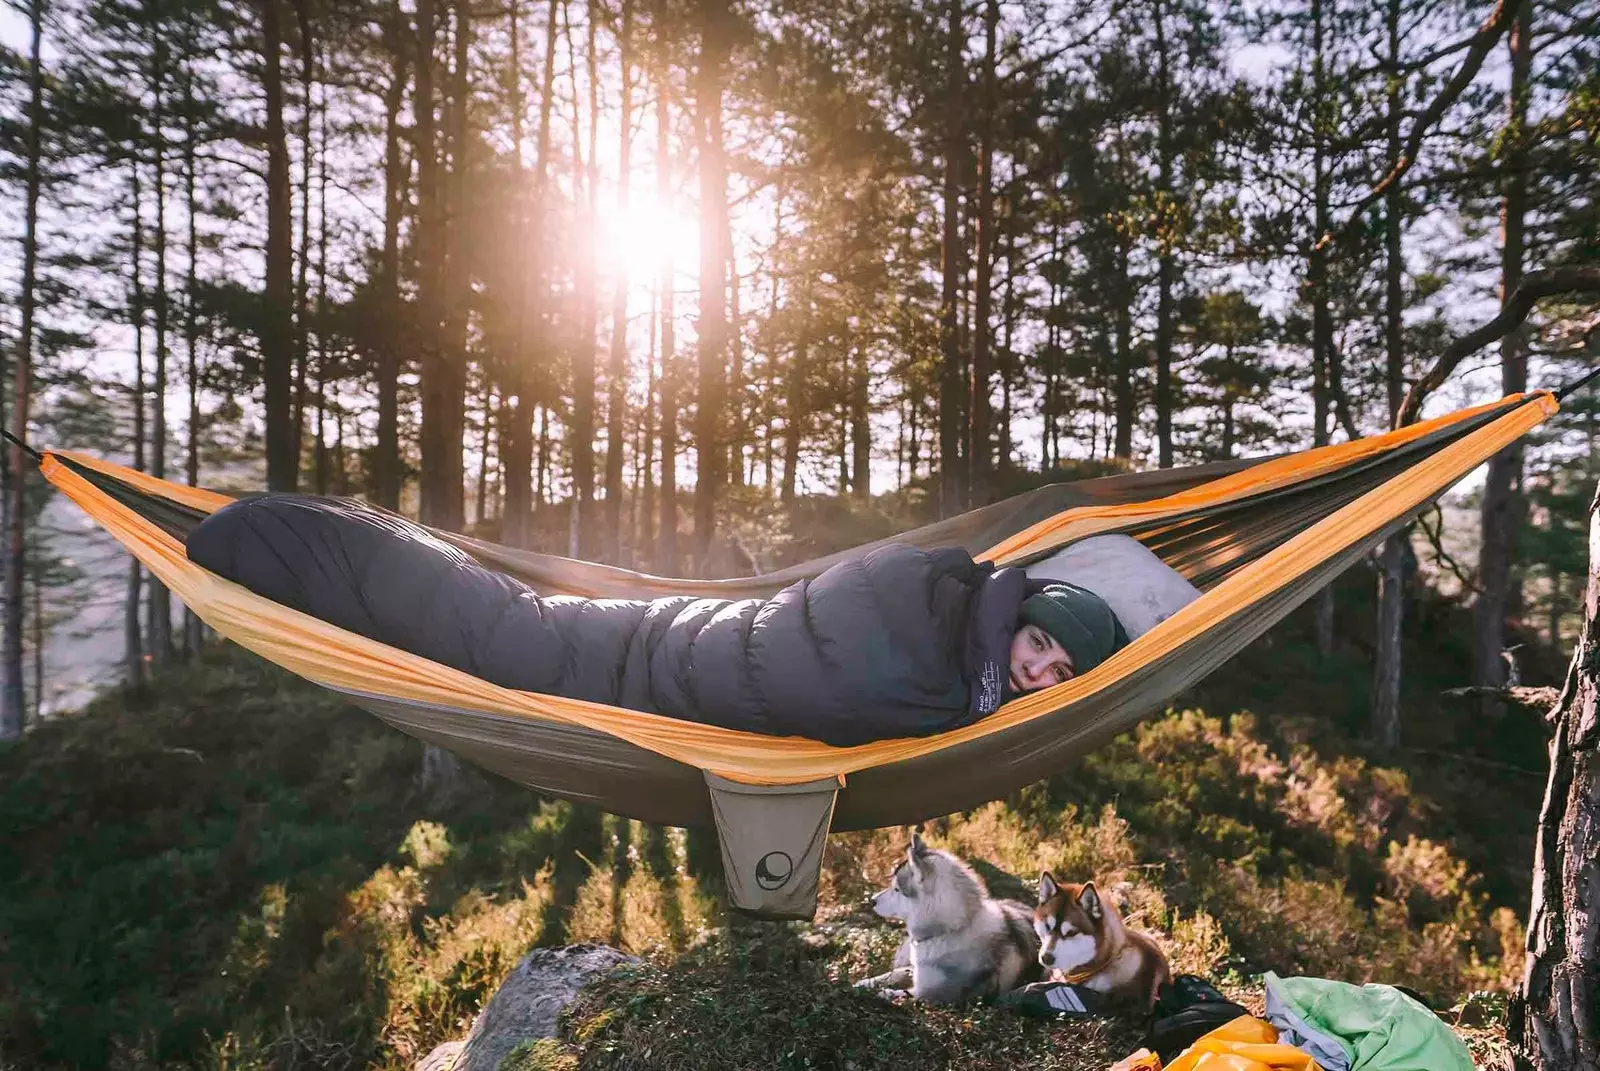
[[774, 870]]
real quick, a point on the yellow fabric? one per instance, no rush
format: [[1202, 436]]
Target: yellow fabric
[[1246, 1044], [331, 656]]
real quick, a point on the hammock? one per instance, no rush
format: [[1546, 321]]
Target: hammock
[[1257, 536]]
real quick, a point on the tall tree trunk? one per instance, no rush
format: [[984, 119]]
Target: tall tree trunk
[[795, 397], [302, 286], [712, 327], [1122, 292], [132, 629], [1049, 452], [159, 630], [860, 426], [386, 459], [517, 460], [441, 380], [1503, 506], [485, 445], [36, 575], [542, 483], [1391, 582], [1166, 261], [193, 630], [1005, 360], [13, 709], [978, 433], [434, 377], [666, 562], [456, 287], [617, 372], [734, 424], [320, 312], [644, 543], [1554, 1021], [581, 532], [1317, 287], [952, 490], [516, 426], [277, 342]]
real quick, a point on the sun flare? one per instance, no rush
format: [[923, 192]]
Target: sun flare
[[641, 238]]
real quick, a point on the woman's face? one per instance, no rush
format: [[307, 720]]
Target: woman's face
[[1037, 660]]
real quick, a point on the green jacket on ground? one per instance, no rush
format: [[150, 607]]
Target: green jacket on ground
[[1378, 1027]]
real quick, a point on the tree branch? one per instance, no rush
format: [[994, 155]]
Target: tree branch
[[1536, 285], [1482, 42]]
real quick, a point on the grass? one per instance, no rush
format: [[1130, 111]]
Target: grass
[[235, 871]]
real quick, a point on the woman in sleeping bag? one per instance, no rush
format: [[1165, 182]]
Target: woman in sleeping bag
[[899, 642]]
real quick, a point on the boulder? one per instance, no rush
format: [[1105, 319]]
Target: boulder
[[529, 1003]]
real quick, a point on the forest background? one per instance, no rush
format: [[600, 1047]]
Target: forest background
[[706, 287], [613, 279]]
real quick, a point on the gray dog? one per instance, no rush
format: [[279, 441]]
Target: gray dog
[[961, 944]]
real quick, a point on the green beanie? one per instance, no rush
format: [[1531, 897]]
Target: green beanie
[[1079, 620]]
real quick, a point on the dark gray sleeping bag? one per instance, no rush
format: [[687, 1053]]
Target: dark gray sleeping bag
[[901, 642]]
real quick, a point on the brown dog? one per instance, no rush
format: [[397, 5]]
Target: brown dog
[[1082, 939]]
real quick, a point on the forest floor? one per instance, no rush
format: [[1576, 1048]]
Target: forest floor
[[234, 870]]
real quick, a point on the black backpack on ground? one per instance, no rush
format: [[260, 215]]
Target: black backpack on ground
[[1186, 1010]]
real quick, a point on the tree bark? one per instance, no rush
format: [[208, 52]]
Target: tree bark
[[386, 459], [277, 345], [1317, 295], [666, 562], [1166, 261], [158, 635], [734, 423], [581, 531], [795, 398], [644, 542], [456, 288], [13, 709], [481, 508], [193, 629], [132, 630], [952, 489], [860, 427], [1502, 507], [429, 251], [1391, 587], [302, 291], [516, 425], [617, 371], [978, 432], [710, 450], [1123, 327], [1554, 1021], [517, 435]]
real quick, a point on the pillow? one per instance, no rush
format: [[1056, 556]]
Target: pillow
[[1141, 589]]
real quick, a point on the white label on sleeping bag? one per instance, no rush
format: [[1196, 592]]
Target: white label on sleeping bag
[[1141, 589]]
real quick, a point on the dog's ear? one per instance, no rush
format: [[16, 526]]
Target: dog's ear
[[1089, 900], [917, 849], [1047, 886]]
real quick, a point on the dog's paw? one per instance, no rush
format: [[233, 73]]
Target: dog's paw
[[894, 996]]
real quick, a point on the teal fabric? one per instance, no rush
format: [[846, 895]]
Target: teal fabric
[[1381, 1027]]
